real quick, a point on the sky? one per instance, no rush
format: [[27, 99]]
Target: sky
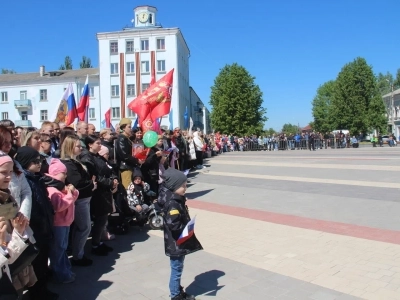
[[291, 47]]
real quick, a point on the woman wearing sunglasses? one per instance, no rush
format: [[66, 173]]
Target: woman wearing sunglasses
[[45, 152]]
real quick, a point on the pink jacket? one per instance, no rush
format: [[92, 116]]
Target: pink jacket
[[63, 205]]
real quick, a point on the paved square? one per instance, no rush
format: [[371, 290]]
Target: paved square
[[274, 225]]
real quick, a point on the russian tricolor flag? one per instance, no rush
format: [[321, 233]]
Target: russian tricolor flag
[[70, 99], [187, 232], [83, 107]]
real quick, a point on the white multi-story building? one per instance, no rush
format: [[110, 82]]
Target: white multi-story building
[[127, 61], [199, 113], [392, 104], [31, 98]]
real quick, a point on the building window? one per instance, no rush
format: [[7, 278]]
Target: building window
[[161, 44], [115, 91], [151, 18], [130, 67], [144, 45], [145, 86], [43, 115], [24, 115], [116, 113], [113, 48], [23, 95], [4, 97], [91, 92], [4, 115], [131, 114], [43, 95], [92, 113], [130, 90], [129, 47], [114, 69], [161, 65], [145, 67]]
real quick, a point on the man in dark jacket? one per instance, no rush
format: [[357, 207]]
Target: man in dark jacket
[[176, 217], [123, 150], [182, 147]]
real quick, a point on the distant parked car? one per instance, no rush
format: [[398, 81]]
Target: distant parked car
[[385, 139]]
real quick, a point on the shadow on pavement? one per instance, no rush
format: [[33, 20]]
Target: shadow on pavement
[[192, 174], [194, 195], [206, 283], [88, 284]]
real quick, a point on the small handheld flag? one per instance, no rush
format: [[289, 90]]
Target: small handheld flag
[[187, 232]]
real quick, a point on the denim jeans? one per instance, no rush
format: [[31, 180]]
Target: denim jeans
[[59, 261], [81, 229], [176, 274]]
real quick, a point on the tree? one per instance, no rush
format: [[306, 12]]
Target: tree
[[384, 83], [323, 121], [269, 132], [237, 102], [67, 64], [290, 129], [355, 103], [396, 82], [85, 63], [7, 71], [376, 114]]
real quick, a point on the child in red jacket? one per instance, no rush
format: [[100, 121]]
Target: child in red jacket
[[62, 198]]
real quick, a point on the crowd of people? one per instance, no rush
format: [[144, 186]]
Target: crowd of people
[[306, 140], [63, 184]]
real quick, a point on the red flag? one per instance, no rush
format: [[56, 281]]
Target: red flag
[[107, 116], [143, 154], [146, 124], [155, 101]]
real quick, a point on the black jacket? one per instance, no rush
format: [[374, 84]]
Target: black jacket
[[176, 216], [79, 178], [123, 151], [42, 214], [44, 168], [101, 202], [150, 168], [181, 145]]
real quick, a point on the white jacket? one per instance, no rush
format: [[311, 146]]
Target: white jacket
[[14, 249], [21, 192], [192, 151], [197, 141]]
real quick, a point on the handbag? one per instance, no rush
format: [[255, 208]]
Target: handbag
[[8, 292], [24, 260]]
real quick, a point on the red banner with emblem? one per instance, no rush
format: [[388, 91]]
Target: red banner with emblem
[[155, 102]]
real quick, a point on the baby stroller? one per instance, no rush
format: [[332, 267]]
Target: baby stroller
[[118, 222]]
